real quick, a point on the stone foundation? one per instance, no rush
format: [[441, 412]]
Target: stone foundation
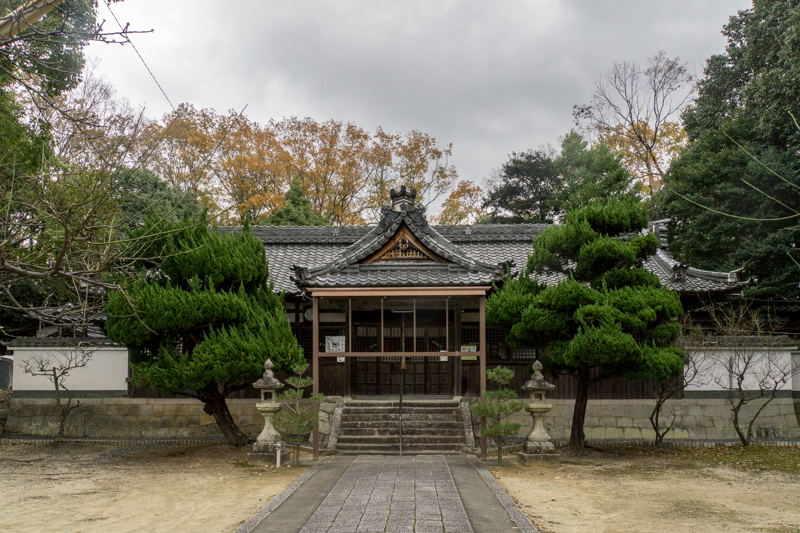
[[134, 418], [695, 419], [613, 420]]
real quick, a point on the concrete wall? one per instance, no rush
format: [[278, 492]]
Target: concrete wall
[[106, 370], [129, 418], [701, 419], [606, 419], [138, 418]]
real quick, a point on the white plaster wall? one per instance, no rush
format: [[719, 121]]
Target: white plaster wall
[[107, 370], [796, 376], [714, 375]]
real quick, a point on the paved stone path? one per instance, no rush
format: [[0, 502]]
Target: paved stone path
[[392, 495]]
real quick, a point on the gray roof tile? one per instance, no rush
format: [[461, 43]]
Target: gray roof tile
[[405, 275], [330, 254]]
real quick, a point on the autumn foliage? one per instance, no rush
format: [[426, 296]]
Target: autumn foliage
[[241, 169]]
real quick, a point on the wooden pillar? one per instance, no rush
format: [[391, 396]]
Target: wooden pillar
[[348, 383], [315, 373], [483, 368], [457, 345]]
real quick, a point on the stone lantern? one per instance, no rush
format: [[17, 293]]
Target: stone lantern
[[538, 445], [267, 441]]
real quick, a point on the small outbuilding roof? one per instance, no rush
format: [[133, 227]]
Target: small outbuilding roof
[[55, 342]]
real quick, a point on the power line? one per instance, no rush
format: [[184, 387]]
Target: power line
[[160, 88]]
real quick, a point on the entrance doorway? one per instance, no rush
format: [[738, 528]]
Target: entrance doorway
[[381, 376]]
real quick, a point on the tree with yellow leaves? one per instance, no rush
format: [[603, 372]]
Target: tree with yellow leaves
[[242, 170]]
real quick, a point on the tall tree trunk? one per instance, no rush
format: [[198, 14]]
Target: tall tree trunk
[[214, 404], [742, 437], [577, 437], [500, 452]]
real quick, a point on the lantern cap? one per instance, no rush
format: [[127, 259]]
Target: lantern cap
[[537, 382], [268, 379]]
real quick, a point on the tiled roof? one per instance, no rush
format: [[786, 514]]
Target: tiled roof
[[77, 342], [328, 256], [404, 275], [330, 272], [310, 234]]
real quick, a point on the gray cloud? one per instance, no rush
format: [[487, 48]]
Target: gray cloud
[[490, 77]]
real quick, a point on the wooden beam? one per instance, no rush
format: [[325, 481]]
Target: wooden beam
[[24, 16], [403, 232], [348, 382], [315, 374], [400, 291], [414, 314], [417, 354], [482, 351]]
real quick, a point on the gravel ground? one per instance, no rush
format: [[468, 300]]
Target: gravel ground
[[648, 491], [81, 488]]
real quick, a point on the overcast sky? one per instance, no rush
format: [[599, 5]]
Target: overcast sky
[[489, 77]]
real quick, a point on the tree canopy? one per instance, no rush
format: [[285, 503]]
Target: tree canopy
[[541, 186], [733, 193], [202, 321], [635, 111], [608, 317], [241, 169], [296, 210]]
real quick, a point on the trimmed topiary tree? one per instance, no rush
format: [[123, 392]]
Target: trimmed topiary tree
[[294, 421], [608, 317], [202, 320], [497, 406]]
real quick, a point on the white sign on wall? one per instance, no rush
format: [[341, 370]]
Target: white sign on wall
[[334, 344]]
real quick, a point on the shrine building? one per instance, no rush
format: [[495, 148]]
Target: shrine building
[[404, 301]]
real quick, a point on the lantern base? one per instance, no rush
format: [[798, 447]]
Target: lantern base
[[266, 453], [528, 459]]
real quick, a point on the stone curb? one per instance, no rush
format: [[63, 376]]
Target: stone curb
[[521, 519], [680, 443], [110, 441], [273, 504]]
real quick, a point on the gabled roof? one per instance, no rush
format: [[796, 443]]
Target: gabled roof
[[681, 277], [329, 256], [348, 268]]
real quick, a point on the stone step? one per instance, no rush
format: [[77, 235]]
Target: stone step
[[387, 424], [406, 410], [373, 426], [389, 439], [395, 448], [426, 430], [405, 452], [410, 417], [406, 403]]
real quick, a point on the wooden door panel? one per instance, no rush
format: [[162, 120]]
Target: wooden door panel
[[381, 375]]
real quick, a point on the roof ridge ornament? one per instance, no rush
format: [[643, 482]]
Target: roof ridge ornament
[[403, 200]]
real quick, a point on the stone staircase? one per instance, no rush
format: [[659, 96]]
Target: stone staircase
[[373, 427]]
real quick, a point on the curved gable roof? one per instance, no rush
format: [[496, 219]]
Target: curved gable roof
[[332, 253], [347, 269]]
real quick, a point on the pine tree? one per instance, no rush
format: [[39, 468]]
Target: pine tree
[[296, 211], [608, 318], [497, 407], [202, 321], [295, 421]]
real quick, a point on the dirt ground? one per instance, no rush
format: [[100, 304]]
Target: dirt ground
[[76, 488], [757, 490]]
